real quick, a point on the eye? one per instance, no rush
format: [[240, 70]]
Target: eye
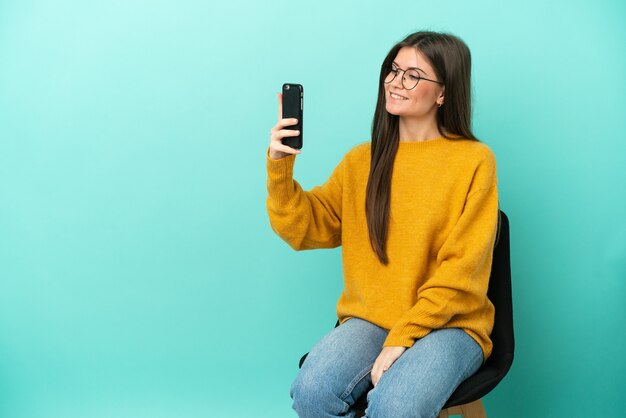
[[413, 75]]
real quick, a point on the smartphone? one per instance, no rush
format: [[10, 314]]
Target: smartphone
[[293, 98]]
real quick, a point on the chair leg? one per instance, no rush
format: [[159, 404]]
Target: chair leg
[[469, 410], [474, 410]]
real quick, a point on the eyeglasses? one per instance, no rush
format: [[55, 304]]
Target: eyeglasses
[[410, 78]]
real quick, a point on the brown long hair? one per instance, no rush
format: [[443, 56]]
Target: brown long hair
[[451, 61]]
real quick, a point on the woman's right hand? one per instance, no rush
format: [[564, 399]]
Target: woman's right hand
[[277, 148]]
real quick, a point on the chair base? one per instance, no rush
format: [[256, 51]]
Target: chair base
[[469, 410]]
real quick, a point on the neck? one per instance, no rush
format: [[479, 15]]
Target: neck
[[416, 129]]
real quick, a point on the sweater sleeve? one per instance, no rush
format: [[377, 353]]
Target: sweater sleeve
[[304, 219], [461, 279]]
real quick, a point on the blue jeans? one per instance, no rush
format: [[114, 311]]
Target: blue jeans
[[337, 372]]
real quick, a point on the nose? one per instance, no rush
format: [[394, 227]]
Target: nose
[[397, 81]]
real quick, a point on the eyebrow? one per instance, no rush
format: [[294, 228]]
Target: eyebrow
[[411, 68]]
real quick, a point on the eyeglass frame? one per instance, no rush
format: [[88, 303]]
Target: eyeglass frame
[[398, 69]]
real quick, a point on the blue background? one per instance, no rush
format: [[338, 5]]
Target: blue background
[[139, 276]]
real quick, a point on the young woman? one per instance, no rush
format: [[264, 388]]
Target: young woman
[[416, 213]]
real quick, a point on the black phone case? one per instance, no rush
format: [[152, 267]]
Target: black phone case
[[293, 100]]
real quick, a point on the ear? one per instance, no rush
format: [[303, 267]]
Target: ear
[[441, 97]]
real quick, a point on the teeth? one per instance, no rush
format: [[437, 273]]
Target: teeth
[[395, 96]]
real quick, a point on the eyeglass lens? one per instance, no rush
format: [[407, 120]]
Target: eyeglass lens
[[410, 78]]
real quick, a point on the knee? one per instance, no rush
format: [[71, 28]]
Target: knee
[[303, 394], [381, 404], [313, 398]]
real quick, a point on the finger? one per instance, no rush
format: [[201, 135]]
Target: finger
[[282, 123], [375, 372], [280, 107], [285, 148], [287, 122], [289, 132], [276, 136], [378, 373], [289, 150], [375, 378]]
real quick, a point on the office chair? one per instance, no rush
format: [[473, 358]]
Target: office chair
[[466, 399]]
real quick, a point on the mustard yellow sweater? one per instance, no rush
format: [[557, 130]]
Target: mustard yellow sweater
[[442, 229]]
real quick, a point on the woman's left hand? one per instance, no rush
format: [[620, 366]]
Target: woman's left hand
[[384, 361]]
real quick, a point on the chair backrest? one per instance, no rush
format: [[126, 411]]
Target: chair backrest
[[500, 295]]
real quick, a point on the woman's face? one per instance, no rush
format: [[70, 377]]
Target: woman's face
[[424, 97]]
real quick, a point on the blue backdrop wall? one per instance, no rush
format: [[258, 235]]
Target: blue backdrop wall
[[139, 276]]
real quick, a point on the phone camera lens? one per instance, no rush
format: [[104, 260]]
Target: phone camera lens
[[287, 87]]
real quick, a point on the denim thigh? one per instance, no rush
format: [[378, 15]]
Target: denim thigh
[[336, 372], [420, 381]]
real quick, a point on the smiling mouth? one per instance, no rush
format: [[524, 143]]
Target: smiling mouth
[[395, 96]]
